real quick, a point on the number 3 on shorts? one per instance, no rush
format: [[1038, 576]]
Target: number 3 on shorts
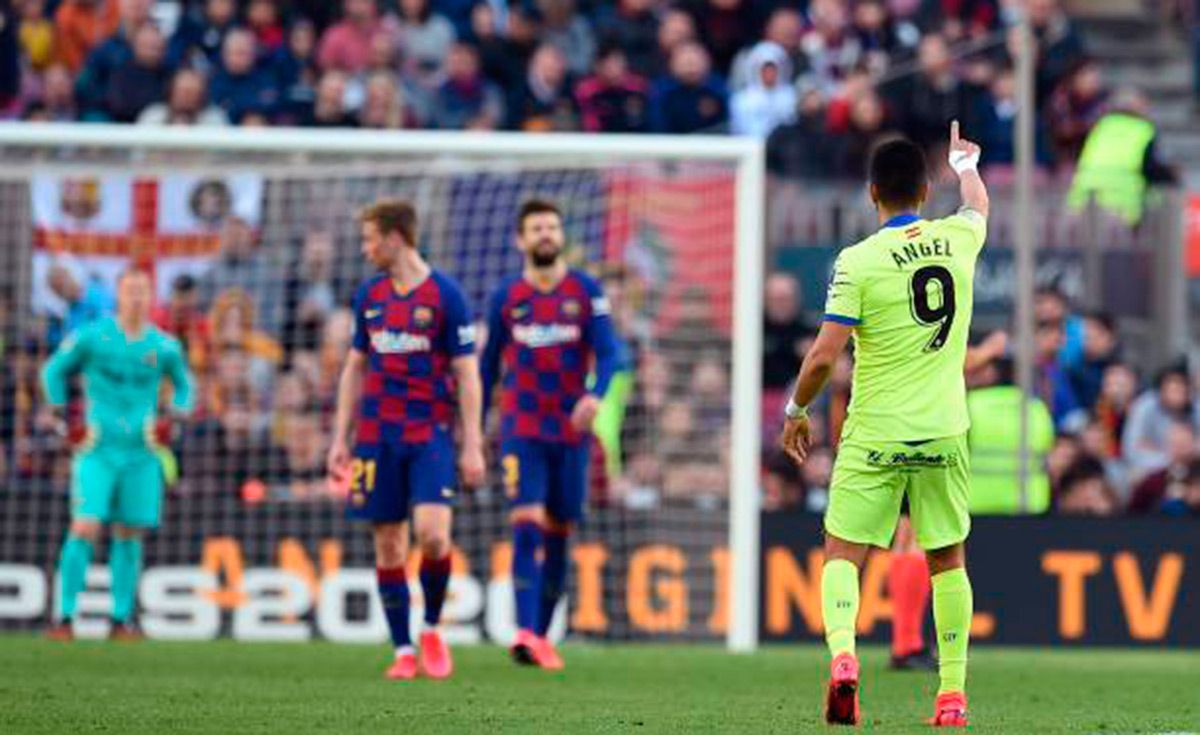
[[511, 465]]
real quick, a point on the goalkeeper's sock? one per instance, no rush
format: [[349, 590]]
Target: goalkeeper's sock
[[952, 610], [435, 577], [908, 586], [554, 577], [125, 561], [393, 593], [527, 573], [839, 605], [72, 571]]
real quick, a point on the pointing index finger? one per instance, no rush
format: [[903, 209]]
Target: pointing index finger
[[953, 132]]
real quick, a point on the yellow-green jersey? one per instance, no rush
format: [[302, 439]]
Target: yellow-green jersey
[[908, 292]]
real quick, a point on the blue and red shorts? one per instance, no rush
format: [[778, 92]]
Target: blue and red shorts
[[386, 478], [550, 474]]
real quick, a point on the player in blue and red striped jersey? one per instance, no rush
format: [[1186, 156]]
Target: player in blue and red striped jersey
[[548, 329], [412, 359]]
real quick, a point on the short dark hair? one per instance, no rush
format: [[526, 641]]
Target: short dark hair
[[393, 215], [1104, 319], [183, 283], [535, 206], [898, 172]]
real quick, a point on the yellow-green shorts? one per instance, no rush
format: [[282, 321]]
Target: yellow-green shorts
[[871, 478]]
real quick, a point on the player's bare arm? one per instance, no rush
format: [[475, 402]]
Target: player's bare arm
[[964, 160], [348, 393], [814, 373], [470, 407]]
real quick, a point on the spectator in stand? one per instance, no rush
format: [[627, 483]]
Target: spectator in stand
[[769, 100], [234, 327], [296, 69], [1051, 305], [544, 102], [466, 100], [677, 28], [1100, 351], [614, 99], [692, 99], [1166, 482], [1051, 381], [967, 19], [632, 25], [1117, 392], [1074, 107], [91, 86], [1085, 491], [80, 26], [786, 336], [263, 20], [240, 86], [816, 474], [802, 150], [785, 28], [200, 36], [346, 45], [384, 107], [1184, 498], [709, 393], [832, 49], [243, 266], [1144, 442], [993, 120], [425, 38], [224, 452], [142, 80], [36, 35], [57, 100], [852, 149], [934, 97], [302, 465], [571, 32], [497, 55], [1059, 45], [187, 104], [182, 317], [329, 108], [782, 486], [881, 37], [726, 27], [310, 293]]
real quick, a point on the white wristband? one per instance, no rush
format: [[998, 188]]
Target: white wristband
[[793, 411], [962, 161]]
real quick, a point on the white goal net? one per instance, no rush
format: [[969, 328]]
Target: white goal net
[[253, 243]]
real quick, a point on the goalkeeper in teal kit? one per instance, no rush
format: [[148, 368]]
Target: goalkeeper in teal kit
[[116, 474]]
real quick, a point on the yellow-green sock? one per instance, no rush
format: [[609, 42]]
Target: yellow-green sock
[[839, 604], [952, 610]]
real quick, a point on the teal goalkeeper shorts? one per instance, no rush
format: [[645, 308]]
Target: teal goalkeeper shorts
[[113, 485], [871, 478]]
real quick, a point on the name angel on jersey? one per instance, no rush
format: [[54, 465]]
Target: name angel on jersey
[[546, 335], [936, 248], [399, 343]]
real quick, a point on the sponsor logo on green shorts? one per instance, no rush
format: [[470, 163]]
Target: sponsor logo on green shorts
[[915, 458]]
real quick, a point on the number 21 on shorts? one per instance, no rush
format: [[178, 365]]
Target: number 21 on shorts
[[362, 475]]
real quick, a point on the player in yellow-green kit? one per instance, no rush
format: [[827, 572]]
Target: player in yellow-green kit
[[116, 474], [905, 295]]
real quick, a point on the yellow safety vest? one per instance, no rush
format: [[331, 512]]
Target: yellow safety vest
[[1110, 166]]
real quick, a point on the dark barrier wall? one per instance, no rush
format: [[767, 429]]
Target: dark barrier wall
[[292, 571], [1036, 580]]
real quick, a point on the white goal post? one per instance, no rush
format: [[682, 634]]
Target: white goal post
[[743, 156]]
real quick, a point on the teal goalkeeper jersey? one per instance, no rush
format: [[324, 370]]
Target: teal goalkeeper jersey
[[121, 378]]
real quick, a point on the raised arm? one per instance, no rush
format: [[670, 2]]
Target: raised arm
[[964, 159]]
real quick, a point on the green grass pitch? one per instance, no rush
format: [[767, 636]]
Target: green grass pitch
[[228, 687]]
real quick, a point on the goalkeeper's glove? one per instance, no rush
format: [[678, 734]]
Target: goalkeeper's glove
[[74, 433], [163, 431]]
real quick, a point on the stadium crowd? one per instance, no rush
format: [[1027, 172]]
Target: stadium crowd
[[1105, 440], [819, 78]]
